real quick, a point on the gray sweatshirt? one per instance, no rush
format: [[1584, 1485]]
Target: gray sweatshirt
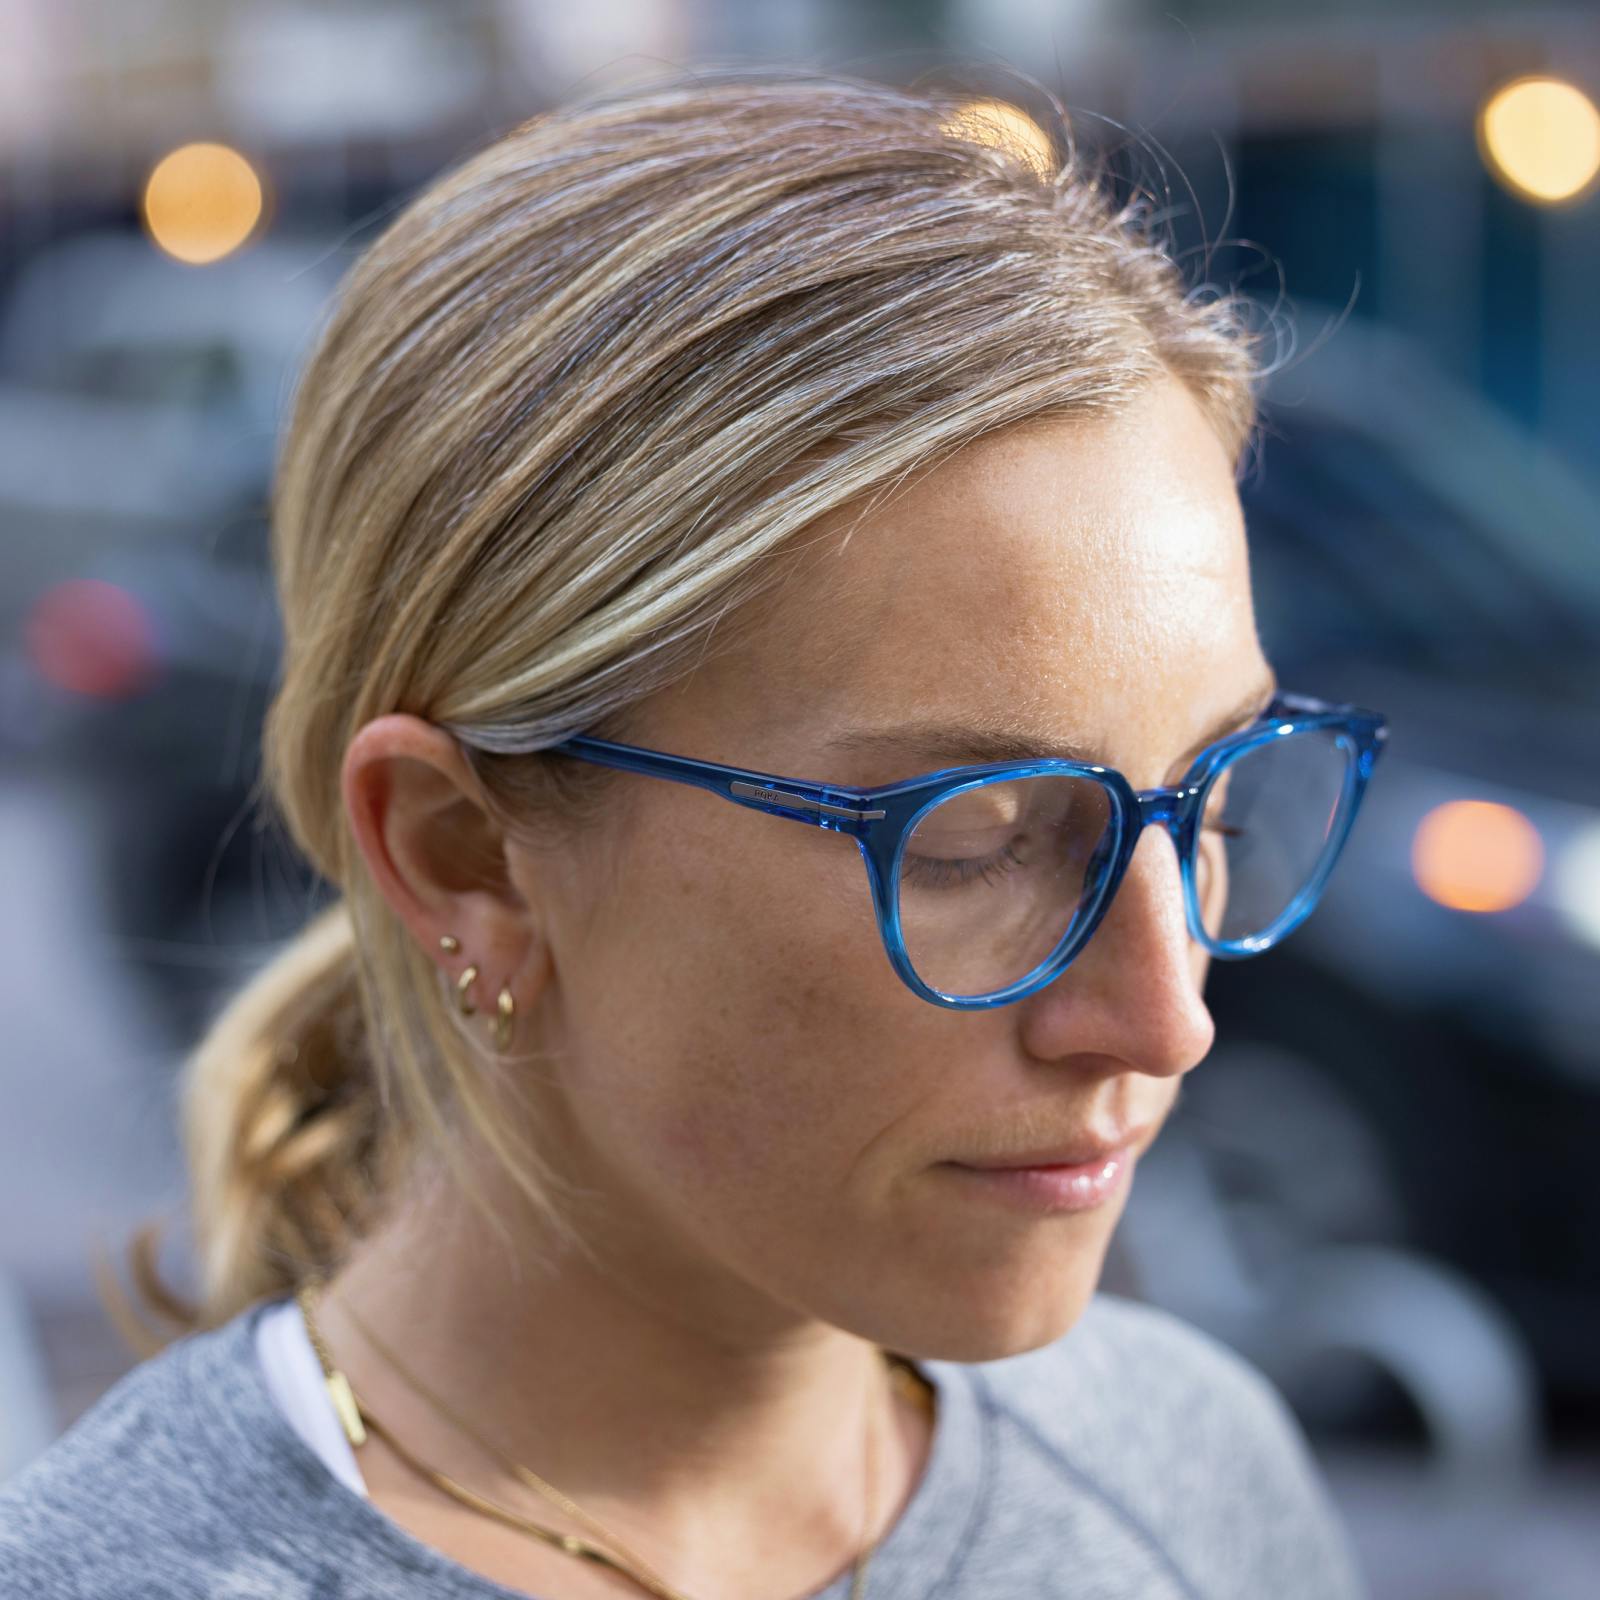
[[1135, 1458]]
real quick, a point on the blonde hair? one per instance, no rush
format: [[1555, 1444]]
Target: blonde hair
[[565, 414]]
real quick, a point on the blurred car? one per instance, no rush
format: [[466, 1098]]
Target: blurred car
[[140, 398]]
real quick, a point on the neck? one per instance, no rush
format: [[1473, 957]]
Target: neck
[[688, 1416]]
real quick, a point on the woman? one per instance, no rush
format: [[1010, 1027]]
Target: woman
[[604, 1196]]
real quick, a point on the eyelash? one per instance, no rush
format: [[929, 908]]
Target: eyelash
[[933, 872]]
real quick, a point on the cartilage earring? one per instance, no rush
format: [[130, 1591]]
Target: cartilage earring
[[502, 1019]]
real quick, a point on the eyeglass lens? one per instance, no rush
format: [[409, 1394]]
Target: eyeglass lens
[[994, 877], [1268, 821]]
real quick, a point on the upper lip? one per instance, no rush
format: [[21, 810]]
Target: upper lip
[[1072, 1152]]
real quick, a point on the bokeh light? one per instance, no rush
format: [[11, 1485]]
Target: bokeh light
[[1008, 128], [92, 638], [201, 202], [1475, 855], [1541, 137]]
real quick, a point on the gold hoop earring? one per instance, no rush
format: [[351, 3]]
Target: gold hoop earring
[[467, 1005], [501, 1022]]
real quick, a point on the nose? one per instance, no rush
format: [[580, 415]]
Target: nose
[[1134, 991]]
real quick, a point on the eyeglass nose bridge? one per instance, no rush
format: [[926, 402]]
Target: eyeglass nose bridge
[[1168, 807], [1171, 808]]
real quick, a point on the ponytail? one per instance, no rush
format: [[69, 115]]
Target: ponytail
[[282, 1132]]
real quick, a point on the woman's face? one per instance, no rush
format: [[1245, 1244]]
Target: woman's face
[[735, 1066]]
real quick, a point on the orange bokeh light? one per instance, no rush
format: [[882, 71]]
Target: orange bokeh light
[[1476, 855], [201, 202], [1541, 138]]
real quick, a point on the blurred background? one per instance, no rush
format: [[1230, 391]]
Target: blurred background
[[1381, 1187]]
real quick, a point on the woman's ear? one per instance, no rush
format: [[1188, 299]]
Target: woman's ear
[[432, 847]]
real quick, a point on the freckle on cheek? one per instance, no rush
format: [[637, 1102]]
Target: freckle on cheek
[[687, 1143]]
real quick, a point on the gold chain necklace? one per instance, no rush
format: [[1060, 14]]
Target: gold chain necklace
[[353, 1413]]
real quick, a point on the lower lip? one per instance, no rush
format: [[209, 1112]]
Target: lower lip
[[1044, 1190]]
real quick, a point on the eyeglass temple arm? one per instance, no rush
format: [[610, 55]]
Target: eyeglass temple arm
[[843, 810]]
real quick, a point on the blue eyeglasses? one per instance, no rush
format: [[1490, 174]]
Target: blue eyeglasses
[[988, 880]]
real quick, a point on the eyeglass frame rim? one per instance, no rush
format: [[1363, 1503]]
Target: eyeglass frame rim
[[881, 819]]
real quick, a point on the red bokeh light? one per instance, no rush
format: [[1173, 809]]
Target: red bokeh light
[[92, 638]]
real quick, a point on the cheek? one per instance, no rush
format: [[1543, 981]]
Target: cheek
[[739, 1036]]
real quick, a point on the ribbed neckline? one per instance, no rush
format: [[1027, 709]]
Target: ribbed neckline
[[254, 1447]]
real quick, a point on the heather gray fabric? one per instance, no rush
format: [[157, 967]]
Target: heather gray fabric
[[1135, 1458]]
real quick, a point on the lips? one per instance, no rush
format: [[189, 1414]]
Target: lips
[[1048, 1191], [1082, 1150]]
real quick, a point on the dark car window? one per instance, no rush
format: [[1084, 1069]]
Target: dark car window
[[157, 374], [1352, 552]]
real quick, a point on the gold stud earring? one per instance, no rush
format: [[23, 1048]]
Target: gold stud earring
[[501, 1022], [467, 1005], [449, 943]]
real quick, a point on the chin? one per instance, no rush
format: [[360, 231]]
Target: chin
[[1047, 1309], [1014, 1305]]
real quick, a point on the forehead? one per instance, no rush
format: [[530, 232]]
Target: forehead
[[1066, 572]]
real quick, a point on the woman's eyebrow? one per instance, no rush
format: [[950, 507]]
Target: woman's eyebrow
[[944, 742], [1246, 712]]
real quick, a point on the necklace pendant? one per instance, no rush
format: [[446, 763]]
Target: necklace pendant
[[344, 1402]]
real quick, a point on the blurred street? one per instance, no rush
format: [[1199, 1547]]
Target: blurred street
[[89, 1137]]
